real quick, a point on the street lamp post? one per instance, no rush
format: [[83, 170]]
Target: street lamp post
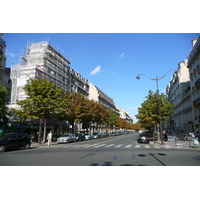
[[159, 106]]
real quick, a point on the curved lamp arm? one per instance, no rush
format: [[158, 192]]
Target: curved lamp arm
[[155, 79]]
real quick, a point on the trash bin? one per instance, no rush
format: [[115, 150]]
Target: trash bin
[[196, 142], [1, 132]]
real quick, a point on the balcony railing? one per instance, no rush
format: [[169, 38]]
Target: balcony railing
[[194, 50], [197, 83], [196, 102], [2, 41]]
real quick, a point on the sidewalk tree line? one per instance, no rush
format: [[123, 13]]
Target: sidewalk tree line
[[148, 114], [45, 101], [4, 111]]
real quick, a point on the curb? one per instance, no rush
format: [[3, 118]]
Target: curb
[[45, 144], [178, 143]]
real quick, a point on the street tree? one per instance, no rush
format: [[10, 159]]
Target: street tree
[[74, 109], [88, 113], [121, 123], [4, 111], [43, 102], [112, 119], [148, 114]]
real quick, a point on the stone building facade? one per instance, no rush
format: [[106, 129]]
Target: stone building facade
[[183, 91]]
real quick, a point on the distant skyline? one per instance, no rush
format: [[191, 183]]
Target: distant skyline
[[112, 61]]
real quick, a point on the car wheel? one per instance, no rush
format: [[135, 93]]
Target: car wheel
[[2, 148], [27, 146]]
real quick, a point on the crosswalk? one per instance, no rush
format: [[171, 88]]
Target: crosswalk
[[115, 146]]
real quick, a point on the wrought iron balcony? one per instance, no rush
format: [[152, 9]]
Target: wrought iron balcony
[[196, 102], [194, 50], [2, 41], [197, 83]]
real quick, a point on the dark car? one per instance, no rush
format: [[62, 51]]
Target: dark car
[[15, 141], [145, 137], [80, 137]]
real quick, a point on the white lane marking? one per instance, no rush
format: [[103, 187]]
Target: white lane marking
[[147, 146], [110, 145], [168, 147], [128, 146], [138, 146], [91, 145], [82, 145], [119, 145], [99, 145]]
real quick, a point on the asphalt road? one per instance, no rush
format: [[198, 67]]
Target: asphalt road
[[113, 151]]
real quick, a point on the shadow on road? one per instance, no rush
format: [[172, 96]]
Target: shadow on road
[[161, 154]]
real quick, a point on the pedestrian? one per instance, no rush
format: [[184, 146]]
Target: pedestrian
[[49, 138]]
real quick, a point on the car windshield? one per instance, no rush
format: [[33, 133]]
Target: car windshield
[[65, 135], [86, 133]]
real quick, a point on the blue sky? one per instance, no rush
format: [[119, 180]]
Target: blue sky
[[112, 61]]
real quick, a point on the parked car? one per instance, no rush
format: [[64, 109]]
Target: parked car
[[117, 133], [66, 138], [15, 141], [103, 135], [80, 137], [145, 137], [88, 136], [113, 134], [107, 134], [97, 135]]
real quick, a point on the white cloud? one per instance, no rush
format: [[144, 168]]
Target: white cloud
[[122, 55], [8, 53], [133, 108], [96, 70], [13, 55]]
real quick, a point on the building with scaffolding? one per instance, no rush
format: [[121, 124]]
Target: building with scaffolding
[[42, 61]]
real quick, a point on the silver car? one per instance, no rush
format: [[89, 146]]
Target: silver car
[[88, 136], [66, 138]]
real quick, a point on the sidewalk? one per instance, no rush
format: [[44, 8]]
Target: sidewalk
[[35, 144], [177, 144]]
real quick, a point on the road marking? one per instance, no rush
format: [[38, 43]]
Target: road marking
[[157, 147], [99, 145], [110, 145], [119, 145], [128, 146], [147, 146], [138, 146], [168, 147], [82, 145], [87, 146]]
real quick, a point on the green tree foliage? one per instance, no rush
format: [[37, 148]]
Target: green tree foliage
[[112, 119], [43, 101], [4, 111], [74, 109], [148, 114], [80, 109]]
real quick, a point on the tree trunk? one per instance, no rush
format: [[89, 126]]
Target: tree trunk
[[45, 128]]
